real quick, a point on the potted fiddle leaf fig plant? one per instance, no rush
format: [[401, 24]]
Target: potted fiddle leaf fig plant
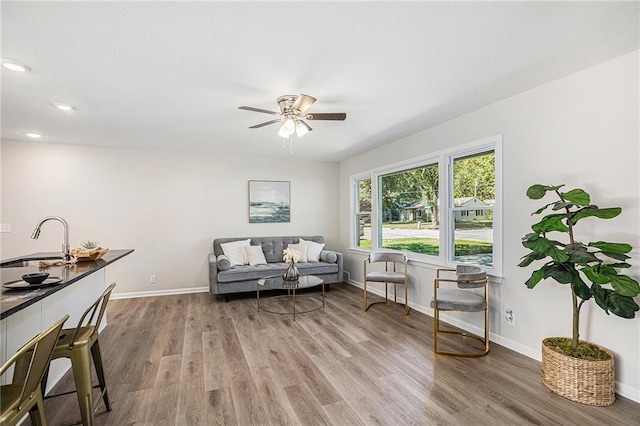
[[578, 370]]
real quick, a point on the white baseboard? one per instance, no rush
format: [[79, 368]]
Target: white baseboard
[[621, 389], [168, 292]]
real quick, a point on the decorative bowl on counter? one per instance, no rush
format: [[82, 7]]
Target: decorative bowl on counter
[[84, 254], [36, 277]]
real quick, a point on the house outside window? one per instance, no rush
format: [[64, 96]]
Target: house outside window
[[405, 199], [472, 192]]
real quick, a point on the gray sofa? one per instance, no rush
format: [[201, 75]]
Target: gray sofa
[[225, 280]]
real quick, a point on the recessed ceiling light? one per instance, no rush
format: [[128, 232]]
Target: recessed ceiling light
[[14, 66], [64, 107], [34, 135]]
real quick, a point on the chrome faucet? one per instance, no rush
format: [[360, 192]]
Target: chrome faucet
[[65, 243]]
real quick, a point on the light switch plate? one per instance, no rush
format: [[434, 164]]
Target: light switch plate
[[5, 227]]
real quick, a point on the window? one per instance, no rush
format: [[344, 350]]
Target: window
[[472, 197], [363, 213], [408, 210], [442, 209]]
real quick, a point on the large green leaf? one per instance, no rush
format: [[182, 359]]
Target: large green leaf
[[612, 247], [537, 243], [599, 274], [535, 192], [618, 265], [589, 211], [601, 295], [527, 259], [535, 278], [624, 285], [541, 209], [577, 196], [551, 223], [556, 254], [580, 288], [581, 257], [559, 273], [616, 256], [622, 306], [562, 205]]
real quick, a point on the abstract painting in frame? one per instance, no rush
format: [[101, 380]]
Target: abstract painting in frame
[[269, 201]]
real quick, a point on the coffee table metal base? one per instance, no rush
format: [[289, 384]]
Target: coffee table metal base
[[292, 296]]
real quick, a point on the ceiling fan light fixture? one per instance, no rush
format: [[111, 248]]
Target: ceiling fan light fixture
[[290, 125], [283, 132], [302, 128]]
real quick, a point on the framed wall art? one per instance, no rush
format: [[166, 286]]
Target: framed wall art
[[269, 201]]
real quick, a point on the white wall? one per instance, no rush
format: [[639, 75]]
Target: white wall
[[168, 206], [581, 130]]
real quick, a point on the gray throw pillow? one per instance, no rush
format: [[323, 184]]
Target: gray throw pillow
[[328, 256], [224, 264]]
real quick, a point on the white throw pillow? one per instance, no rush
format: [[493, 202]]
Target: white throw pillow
[[313, 250], [235, 251], [254, 255], [300, 248]]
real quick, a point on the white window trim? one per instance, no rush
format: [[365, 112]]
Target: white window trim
[[443, 159], [355, 209]]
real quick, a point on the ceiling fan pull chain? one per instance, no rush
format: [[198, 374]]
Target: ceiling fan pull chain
[[291, 144]]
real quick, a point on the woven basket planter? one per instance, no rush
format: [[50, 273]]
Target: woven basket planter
[[585, 381]]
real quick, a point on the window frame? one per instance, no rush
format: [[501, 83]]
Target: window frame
[[444, 160], [357, 213]]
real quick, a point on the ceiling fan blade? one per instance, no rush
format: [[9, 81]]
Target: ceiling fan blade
[[326, 116], [266, 123], [248, 108], [303, 103]]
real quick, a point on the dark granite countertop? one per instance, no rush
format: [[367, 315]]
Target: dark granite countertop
[[13, 300]]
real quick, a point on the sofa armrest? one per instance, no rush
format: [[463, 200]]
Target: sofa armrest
[[329, 256], [213, 274]]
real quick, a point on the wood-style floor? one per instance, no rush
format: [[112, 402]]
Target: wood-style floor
[[196, 360]]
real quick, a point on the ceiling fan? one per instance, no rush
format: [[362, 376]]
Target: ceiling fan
[[293, 112]]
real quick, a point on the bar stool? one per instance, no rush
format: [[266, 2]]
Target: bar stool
[[25, 396], [80, 344]]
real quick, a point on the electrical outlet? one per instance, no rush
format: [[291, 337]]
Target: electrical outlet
[[510, 317], [5, 227], [153, 279]]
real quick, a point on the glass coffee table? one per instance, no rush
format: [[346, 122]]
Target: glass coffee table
[[276, 282]]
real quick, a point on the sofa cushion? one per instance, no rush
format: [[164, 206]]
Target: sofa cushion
[[313, 250], [235, 251], [246, 272], [224, 264], [272, 247], [254, 255]]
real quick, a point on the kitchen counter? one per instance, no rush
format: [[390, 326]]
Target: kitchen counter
[[14, 300]]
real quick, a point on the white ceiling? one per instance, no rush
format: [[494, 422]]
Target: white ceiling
[[170, 75]]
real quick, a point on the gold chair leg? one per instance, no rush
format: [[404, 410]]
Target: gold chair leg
[[81, 365], [364, 306], [97, 363], [406, 301], [36, 414]]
